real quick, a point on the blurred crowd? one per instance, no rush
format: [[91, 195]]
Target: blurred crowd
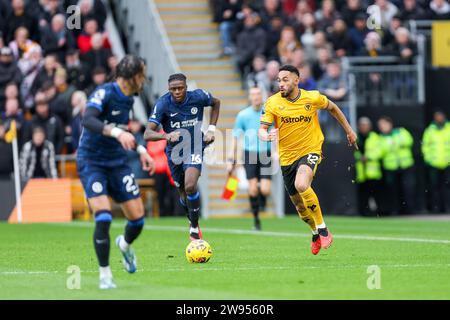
[[263, 34], [49, 65], [52, 58]]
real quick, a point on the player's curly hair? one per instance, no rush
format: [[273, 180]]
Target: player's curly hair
[[130, 66], [177, 76]]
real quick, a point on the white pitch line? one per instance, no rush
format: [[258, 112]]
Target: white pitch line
[[395, 266], [271, 233]]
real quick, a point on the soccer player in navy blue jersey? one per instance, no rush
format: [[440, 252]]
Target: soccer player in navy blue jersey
[[180, 113], [102, 163]]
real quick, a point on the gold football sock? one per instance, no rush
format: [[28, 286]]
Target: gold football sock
[[308, 218], [312, 204]]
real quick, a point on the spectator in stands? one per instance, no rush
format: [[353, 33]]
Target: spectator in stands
[[136, 128], [113, 62], [78, 102], [439, 10], [389, 34], [31, 65], [9, 71], [13, 112], [297, 58], [320, 41], [37, 159], [326, 15], [358, 33], [92, 9], [333, 83], [6, 155], [271, 9], [84, 39], [323, 58], [412, 11], [61, 103], [11, 92], [98, 55], [351, 10], [227, 17], [46, 73], [51, 9], [21, 43], [54, 130], [306, 82], [273, 36], [306, 29], [251, 42], [56, 39], [99, 77], [382, 12], [287, 44], [78, 73], [20, 17], [403, 46], [270, 80], [256, 78], [340, 39], [372, 45], [436, 154]]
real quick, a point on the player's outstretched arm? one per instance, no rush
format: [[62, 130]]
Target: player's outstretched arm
[[93, 123], [152, 135], [340, 117]]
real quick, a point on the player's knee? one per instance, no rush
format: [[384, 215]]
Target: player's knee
[[253, 190], [265, 190], [301, 186]]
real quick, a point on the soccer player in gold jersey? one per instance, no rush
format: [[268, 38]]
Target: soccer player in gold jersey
[[293, 111]]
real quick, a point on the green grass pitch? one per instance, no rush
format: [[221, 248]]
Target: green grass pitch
[[413, 257]]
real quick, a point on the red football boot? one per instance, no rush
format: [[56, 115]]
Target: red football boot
[[315, 244], [326, 238]]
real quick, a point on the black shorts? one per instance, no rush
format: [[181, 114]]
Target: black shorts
[[312, 160], [257, 165]]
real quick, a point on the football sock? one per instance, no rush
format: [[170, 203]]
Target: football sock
[[105, 272], [254, 204], [101, 236], [262, 201], [193, 203], [308, 218], [312, 204], [133, 229]]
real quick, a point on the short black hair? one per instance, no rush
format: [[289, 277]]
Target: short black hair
[[177, 76], [290, 68], [130, 66]]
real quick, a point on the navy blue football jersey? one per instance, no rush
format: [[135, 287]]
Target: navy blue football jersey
[[185, 117], [114, 107]]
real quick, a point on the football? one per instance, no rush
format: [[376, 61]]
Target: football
[[198, 251]]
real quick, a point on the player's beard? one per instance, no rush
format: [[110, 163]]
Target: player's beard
[[286, 93]]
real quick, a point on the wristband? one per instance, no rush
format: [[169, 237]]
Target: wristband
[[116, 132], [212, 128], [141, 150]]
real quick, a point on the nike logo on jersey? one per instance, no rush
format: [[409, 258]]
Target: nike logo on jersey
[[173, 114], [116, 112]]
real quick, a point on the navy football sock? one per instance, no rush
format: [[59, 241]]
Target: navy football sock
[[101, 237], [133, 229], [193, 203]]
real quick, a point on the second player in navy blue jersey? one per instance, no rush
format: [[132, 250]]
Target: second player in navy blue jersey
[[180, 113], [102, 163]]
